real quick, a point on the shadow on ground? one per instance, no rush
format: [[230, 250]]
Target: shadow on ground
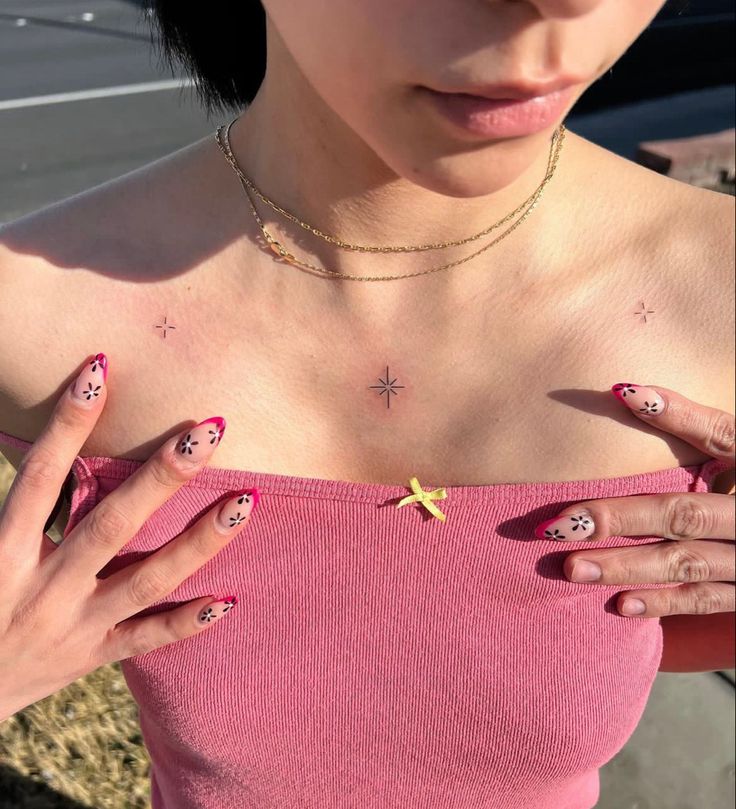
[[21, 792]]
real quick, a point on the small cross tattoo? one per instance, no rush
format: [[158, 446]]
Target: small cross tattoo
[[644, 311], [387, 387], [165, 327]]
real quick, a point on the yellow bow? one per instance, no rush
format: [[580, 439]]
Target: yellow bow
[[425, 498]]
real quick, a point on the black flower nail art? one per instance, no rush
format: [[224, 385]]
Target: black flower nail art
[[229, 604], [236, 520], [649, 407], [581, 522], [216, 434], [96, 363], [625, 388], [207, 615], [187, 444], [91, 392], [554, 534], [244, 498]]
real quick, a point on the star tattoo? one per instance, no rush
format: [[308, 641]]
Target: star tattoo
[[644, 311], [387, 386], [165, 327]]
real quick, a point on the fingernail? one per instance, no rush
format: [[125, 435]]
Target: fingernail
[[633, 606], [199, 442], [576, 526], [236, 510], [639, 398], [583, 570], [216, 609], [88, 386]]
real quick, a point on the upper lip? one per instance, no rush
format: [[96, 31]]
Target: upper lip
[[519, 89]]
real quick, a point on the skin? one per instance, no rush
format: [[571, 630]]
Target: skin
[[338, 136], [394, 171], [699, 556]]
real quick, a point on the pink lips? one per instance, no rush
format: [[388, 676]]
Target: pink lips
[[500, 117]]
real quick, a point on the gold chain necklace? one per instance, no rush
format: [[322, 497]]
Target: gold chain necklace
[[227, 151], [555, 149]]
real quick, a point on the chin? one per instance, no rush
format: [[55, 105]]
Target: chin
[[479, 171]]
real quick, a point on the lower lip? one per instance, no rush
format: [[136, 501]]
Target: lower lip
[[501, 117]]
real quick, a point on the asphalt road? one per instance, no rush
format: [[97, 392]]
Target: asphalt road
[[84, 98], [81, 100]]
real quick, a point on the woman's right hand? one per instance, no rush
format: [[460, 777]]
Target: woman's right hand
[[59, 620]]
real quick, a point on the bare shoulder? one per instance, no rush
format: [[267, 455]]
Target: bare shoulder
[[671, 246], [76, 273], [697, 237], [693, 229], [678, 240], [33, 318], [708, 301]]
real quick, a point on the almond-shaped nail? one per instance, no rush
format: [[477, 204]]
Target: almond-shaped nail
[[570, 527], [639, 398], [88, 386], [235, 510], [216, 609], [199, 442]]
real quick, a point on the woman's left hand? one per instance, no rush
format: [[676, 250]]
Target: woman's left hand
[[699, 525]]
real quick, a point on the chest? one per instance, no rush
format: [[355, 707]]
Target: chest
[[378, 648], [510, 386]]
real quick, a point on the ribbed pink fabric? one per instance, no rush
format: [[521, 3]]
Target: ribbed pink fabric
[[381, 659]]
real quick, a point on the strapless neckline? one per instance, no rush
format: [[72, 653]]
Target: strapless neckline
[[224, 478]]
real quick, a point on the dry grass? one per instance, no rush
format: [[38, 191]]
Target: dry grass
[[80, 748]]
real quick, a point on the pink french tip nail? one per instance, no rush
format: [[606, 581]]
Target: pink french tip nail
[[623, 389], [216, 609], [539, 530], [218, 420], [639, 398], [230, 600], [100, 361], [219, 430], [566, 528], [90, 382], [236, 509], [198, 442]]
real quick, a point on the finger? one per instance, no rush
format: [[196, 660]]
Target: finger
[[711, 430], [687, 599], [142, 634], [670, 515], [116, 519], [659, 562], [45, 466], [152, 578]]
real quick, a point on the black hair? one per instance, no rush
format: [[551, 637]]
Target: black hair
[[221, 46]]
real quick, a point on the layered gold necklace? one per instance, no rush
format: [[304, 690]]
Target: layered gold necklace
[[278, 248]]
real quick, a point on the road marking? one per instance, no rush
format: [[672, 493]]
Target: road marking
[[99, 92]]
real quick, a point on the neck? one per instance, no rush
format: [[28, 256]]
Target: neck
[[305, 158]]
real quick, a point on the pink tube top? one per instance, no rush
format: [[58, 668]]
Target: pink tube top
[[382, 659]]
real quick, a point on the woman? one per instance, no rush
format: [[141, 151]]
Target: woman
[[407, 630]]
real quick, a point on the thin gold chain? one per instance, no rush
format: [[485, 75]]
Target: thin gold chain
[[227, 151], [555, 149]]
